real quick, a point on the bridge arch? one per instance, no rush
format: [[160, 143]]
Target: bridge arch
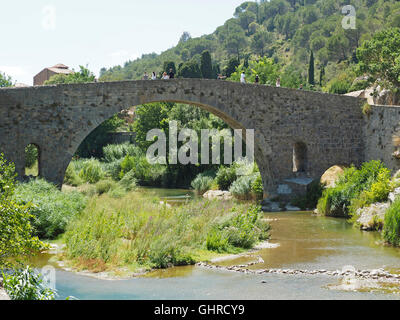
[[233, 123]]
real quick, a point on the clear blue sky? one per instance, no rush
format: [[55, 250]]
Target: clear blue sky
[[100, 33]]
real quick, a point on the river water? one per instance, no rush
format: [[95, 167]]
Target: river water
[[301, 241]]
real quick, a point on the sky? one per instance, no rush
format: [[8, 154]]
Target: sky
[[98, 33]]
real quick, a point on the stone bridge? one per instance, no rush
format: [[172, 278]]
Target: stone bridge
[[298, 134]]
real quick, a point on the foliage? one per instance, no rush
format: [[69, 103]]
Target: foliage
[[202, 183], [310, 199], [380, 57], [206, 66], [16, 239], [91, 171], [391, 230], [51, 208], [225, 177], [368, 181], [242, 187], [5, 81], [241, 229], [257, 187], [31, 155], [136, 230], [25, 284], [71, 176], [285, 31], [265, 68], [84, 75]]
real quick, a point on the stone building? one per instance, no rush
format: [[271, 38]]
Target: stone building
[[47, 73]]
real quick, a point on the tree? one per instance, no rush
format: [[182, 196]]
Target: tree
[[206, 65], [260, 40], [185, 37], [380, 58], [311, 80], [16, 231], [189, 69], [233, 63], [169, 65], [5, 81], [321, 75], [84, 75]]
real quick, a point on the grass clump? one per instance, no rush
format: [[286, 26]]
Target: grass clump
[[51, 208], [202, 183], [391, 230], [241, 229], [91, 171]]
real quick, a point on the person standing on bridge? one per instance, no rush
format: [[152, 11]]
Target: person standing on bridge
[[171, 74], [257, 80], [153, 76], [165, 76], [278, 82], [145, 76], [242, 78]]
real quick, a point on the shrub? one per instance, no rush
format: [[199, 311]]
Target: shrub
[[16, 238], [52, 209], [31, 155], [336, 201], [91, 171], [310, 199], [242, 229], [241, 188], [202, 183], [257, 187], [25, 284], [225, 177], [114, 152], [104, 186], [71, 177], [217, 241], [129, 182], [391, 229]]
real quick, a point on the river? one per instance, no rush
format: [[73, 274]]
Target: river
[[302, 241]]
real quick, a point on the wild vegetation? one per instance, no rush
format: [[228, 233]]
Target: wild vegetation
[[288, 32], [16, 239], [136, 230], [356, 188]]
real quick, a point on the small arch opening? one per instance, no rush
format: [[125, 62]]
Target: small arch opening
[[32, 160], [299, 157]]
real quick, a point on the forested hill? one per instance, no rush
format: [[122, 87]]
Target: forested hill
[[286, 31]]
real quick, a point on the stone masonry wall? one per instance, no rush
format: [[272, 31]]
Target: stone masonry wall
[[58, 118]]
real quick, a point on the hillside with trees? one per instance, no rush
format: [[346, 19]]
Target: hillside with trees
[[303, 39]]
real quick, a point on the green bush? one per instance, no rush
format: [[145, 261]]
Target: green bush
[[91, 171], [52, 209], [114, 152], [242, 229], [242, 187], [25, 284], [391, 229], [71, 177], [104, 186], [202, 183], [337, 201], [31, 155], [310, 199], [217, 241], [225, 177], [129, 182], [257, 187]]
